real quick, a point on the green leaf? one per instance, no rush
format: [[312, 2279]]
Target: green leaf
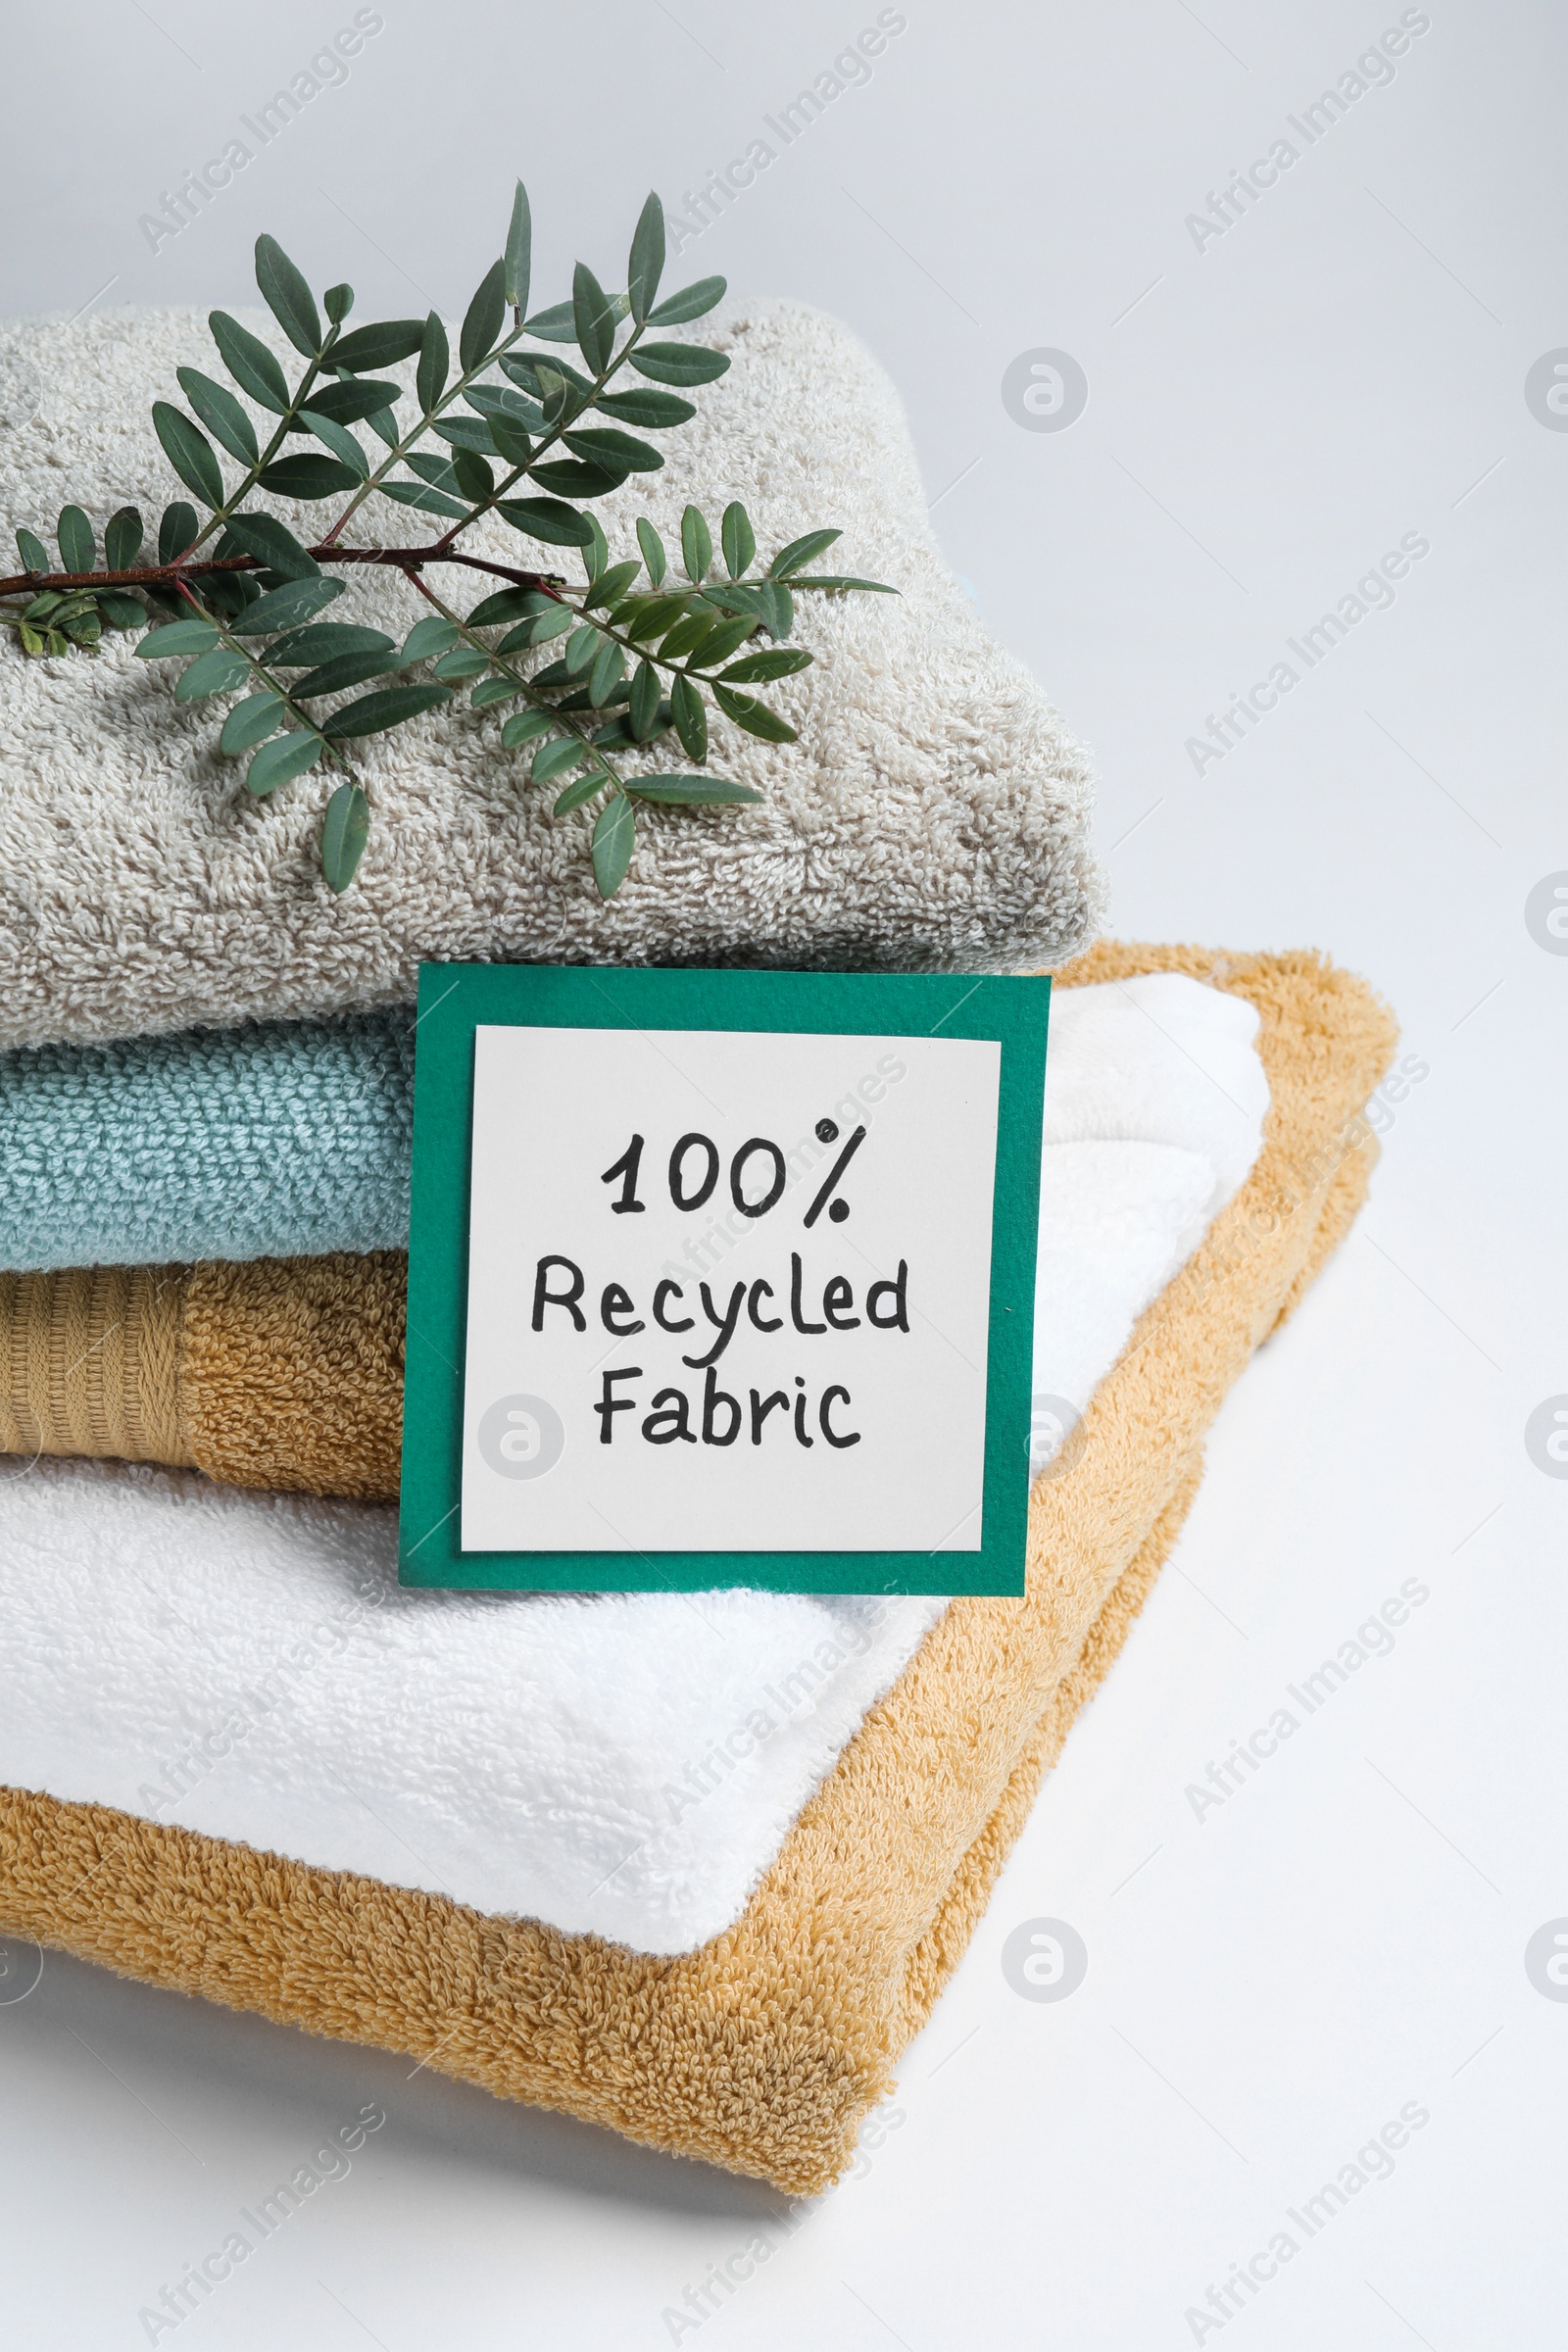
[[224, 592], [652, 551], [474, 476], [429, 637], [693, 302], [593, 319], [774, 661], [119, 611], [647, 265], [122, 539], [614, 839], [494, 690], [609, 666], [286, 607], [643, 406], [691, 718], [690, 792], [688, 631], [837, 583], [189, 451], [215, 671], [269, 541], [307, 475], [250, 362], [643, 709], [570, 477], [558, 324], [428, 502], [345, 829], [338, 439], [754, 716], [86, 628], [776, 608], [520, 237], [287, 296], [466, 433], [584, 788], [32, 551], [346, 669], [511, 440], [435, 358], [279, 762], [251, 721], [74, 533], [621, 452], [611, 584], [491, 399], [381, 345], [485, 316], [646, 616], [337, 302], [720, 642], [373, 714], [176, 637], [583, 647], [554, 622], [738, 539], [800, 551], [696, 544], [221, 412], [348, 402], [536, 372], [508, 604], [678, 363], [323, 641], [547, 519], [554, 758], [524, 726], [463, 661]]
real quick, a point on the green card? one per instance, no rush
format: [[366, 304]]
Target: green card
[[722, 1278]]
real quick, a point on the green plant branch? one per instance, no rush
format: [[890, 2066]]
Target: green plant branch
[[170, 575], [220, 514], [258, 669], [554, 436], [422, 424], [567, 721]]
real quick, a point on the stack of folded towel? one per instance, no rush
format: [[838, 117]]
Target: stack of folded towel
[[539, 1840]]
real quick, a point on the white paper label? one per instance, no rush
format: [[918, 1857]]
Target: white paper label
[[817, 1208]]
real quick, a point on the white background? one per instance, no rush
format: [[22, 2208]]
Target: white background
[[1347, 1933], [553, 1107]]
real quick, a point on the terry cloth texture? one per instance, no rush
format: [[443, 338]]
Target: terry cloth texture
[[649, 1781], [279, 1138], [933, 815], [763, 2050], [288, 1375]]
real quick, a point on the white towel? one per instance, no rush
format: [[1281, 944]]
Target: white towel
[[1154, 1107], [246, 1665]]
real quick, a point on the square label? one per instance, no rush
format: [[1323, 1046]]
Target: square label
[[722, 1278], [728, 1291]]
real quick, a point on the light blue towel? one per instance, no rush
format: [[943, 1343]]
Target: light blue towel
[[281, 1138]]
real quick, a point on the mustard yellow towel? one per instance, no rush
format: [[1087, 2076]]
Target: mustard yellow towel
[[763, 2050], [280, 1372]]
